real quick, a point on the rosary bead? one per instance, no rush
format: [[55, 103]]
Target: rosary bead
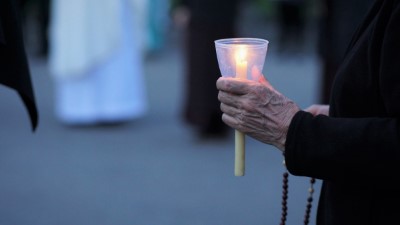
[[285, 175], [285, 191]]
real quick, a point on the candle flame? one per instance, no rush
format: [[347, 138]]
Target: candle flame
[[241, 54]]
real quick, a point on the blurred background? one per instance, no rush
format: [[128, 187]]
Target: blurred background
[[161, 156]]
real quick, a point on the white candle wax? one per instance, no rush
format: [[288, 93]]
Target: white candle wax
[[241, 72]]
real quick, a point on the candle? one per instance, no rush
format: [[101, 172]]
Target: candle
[[235, 57], [241, 73], [239, 153]]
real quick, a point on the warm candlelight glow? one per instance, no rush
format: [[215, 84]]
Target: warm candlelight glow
[[241, 53], [241, 62]]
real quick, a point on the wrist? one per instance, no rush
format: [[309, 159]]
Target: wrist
[[292, 109]]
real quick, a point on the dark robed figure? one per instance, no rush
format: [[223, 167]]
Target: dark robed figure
[[352, 144], [14, 68], [209, 20]]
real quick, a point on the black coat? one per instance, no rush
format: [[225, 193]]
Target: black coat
[[14, 69], [337, 24], [356, 151]]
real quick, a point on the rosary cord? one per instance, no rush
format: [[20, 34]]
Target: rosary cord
[[285, 191], [285, 195], [309, 202]]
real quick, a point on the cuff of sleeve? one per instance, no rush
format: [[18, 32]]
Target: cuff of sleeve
[[292, 144]]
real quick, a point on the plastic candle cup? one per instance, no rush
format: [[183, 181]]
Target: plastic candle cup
[[236, 57]]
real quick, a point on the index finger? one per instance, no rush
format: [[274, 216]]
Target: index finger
[[233, 85]]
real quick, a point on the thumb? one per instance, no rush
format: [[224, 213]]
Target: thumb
[[257, 76]]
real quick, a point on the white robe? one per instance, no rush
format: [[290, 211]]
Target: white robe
[[96, 59]]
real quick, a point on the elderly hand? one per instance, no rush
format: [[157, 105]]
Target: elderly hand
[[256, 109]]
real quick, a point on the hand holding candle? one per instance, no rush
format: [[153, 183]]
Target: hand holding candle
[[235, 57]]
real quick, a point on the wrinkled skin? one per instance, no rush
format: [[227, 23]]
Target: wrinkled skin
[[256, 109]]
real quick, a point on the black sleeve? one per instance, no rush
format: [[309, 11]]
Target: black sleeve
[[328, 148], [14, 70]]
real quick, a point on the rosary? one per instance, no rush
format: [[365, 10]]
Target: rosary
[[285, 191]]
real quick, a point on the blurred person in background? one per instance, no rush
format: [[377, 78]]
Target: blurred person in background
[[205, 21], [338, 22], [96, 59], [14, 67], [41, 10], [158, 22], [352, 144], [292, 24], [43, 17]]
